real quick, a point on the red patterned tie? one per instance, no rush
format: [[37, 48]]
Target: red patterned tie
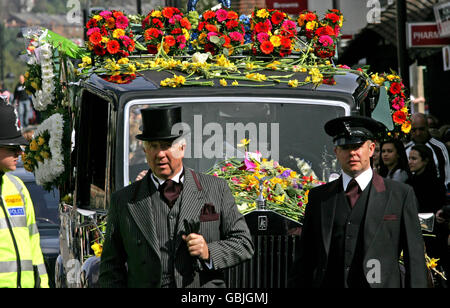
[[352, 192], [171, 190]]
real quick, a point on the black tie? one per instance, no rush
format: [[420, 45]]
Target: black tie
[[352, 192], [170, 190]]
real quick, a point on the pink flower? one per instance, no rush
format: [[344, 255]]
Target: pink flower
[[325, 40], [337, 29], [92, 30], [221, 15], [262, 37], [106, 14], [181, 46], [212, 34], [181, 39], [288, 25], [398, 103], [236, 36], [122, 22], [125, 40]]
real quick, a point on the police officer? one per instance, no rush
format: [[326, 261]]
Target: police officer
[[21, 260]]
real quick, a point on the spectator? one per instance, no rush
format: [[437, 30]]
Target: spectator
[[394, 162], [431, 194], [376, 158], [4, 93], [421, 135], [23, 103], [433, 126]]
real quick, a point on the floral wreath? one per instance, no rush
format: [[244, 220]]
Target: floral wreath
[[109, 34], [169, 27], [40, 79], [45, 154], [220, 31]]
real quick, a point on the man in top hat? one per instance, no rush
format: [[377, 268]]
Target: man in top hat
[[175, 227], [356, 227], [21, 260]]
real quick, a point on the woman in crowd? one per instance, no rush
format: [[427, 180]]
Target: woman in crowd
[[393, 162], [431, 194]]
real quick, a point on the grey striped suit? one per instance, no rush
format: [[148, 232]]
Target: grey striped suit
[[131, 254]]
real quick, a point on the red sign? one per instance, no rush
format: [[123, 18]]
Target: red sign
[[425, 34], [288, 6]]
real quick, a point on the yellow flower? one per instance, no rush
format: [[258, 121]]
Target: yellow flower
[[311, 25], [123, 61], [244, 142], [275, 40], [432, 262], [262, 13], [273, 65], [97, 17], [45, 155], [256, 76], [392, 77], [87, 60], [34, 85], [279, 199], [250, 66], [131, 68], [235, 83], [406, 127], [27, 74], [293, 83], [316, 76], [98, 249], [41, 140], [156, 14], [118, 33], [223, 82], [105, 39], [223, 61], [377, 79], [33, 145]]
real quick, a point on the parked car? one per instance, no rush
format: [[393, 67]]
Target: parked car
[[47, 218]]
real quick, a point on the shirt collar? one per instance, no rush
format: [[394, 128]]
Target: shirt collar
[[178, 178], [363, 179]]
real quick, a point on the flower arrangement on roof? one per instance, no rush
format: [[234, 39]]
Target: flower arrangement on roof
[[322, 33], [167, 27], [220, 32], [398, 101], [274, 34], [109, 35]]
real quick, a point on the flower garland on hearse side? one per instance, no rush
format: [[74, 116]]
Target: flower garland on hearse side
[[399, 103], [169, 27], [220, 32]]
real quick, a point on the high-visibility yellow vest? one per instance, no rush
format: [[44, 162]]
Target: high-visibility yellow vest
[[20, 248]]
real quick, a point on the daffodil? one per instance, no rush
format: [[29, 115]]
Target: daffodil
[[98, 249], [293, 83], [244, 142], [123, 61], [223, 82], [235, 83], [262, 13]]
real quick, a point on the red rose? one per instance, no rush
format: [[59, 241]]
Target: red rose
[[169, 40], [152, 49], [327, 30], [231, 24], [333, 17], [262, 27]]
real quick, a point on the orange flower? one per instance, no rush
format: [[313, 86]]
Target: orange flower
[[232, 15], [95, 38], [169, 40], [399, 117], [111, 22], [211, 28], [113, 47], [267, 47], [208, 14]]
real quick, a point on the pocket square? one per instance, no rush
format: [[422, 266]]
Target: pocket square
[[390, 217], [208, 213]]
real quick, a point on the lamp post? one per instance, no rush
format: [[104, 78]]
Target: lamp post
[[402, 50]]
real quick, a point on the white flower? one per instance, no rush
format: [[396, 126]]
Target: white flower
[[50, 169], [200, 57]]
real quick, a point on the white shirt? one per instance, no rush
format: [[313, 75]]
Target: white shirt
[[363, 179], [177, 178]]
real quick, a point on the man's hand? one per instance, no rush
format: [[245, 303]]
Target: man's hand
[[197, 246]]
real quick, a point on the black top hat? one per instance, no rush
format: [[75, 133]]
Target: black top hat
[[353, 129], [157, 123], [10, 133]]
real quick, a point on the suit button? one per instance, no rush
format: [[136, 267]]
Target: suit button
[[139, 242]]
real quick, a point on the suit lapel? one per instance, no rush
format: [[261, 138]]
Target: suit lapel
[[376, 206], [141, 210], [327, 212], [191, 204]]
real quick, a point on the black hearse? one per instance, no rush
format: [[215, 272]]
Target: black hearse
[[282, 122]]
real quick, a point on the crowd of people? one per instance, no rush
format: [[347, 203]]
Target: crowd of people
[[423, 163]]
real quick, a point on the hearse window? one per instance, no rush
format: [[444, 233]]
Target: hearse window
[[289, 131], [92, 151]]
